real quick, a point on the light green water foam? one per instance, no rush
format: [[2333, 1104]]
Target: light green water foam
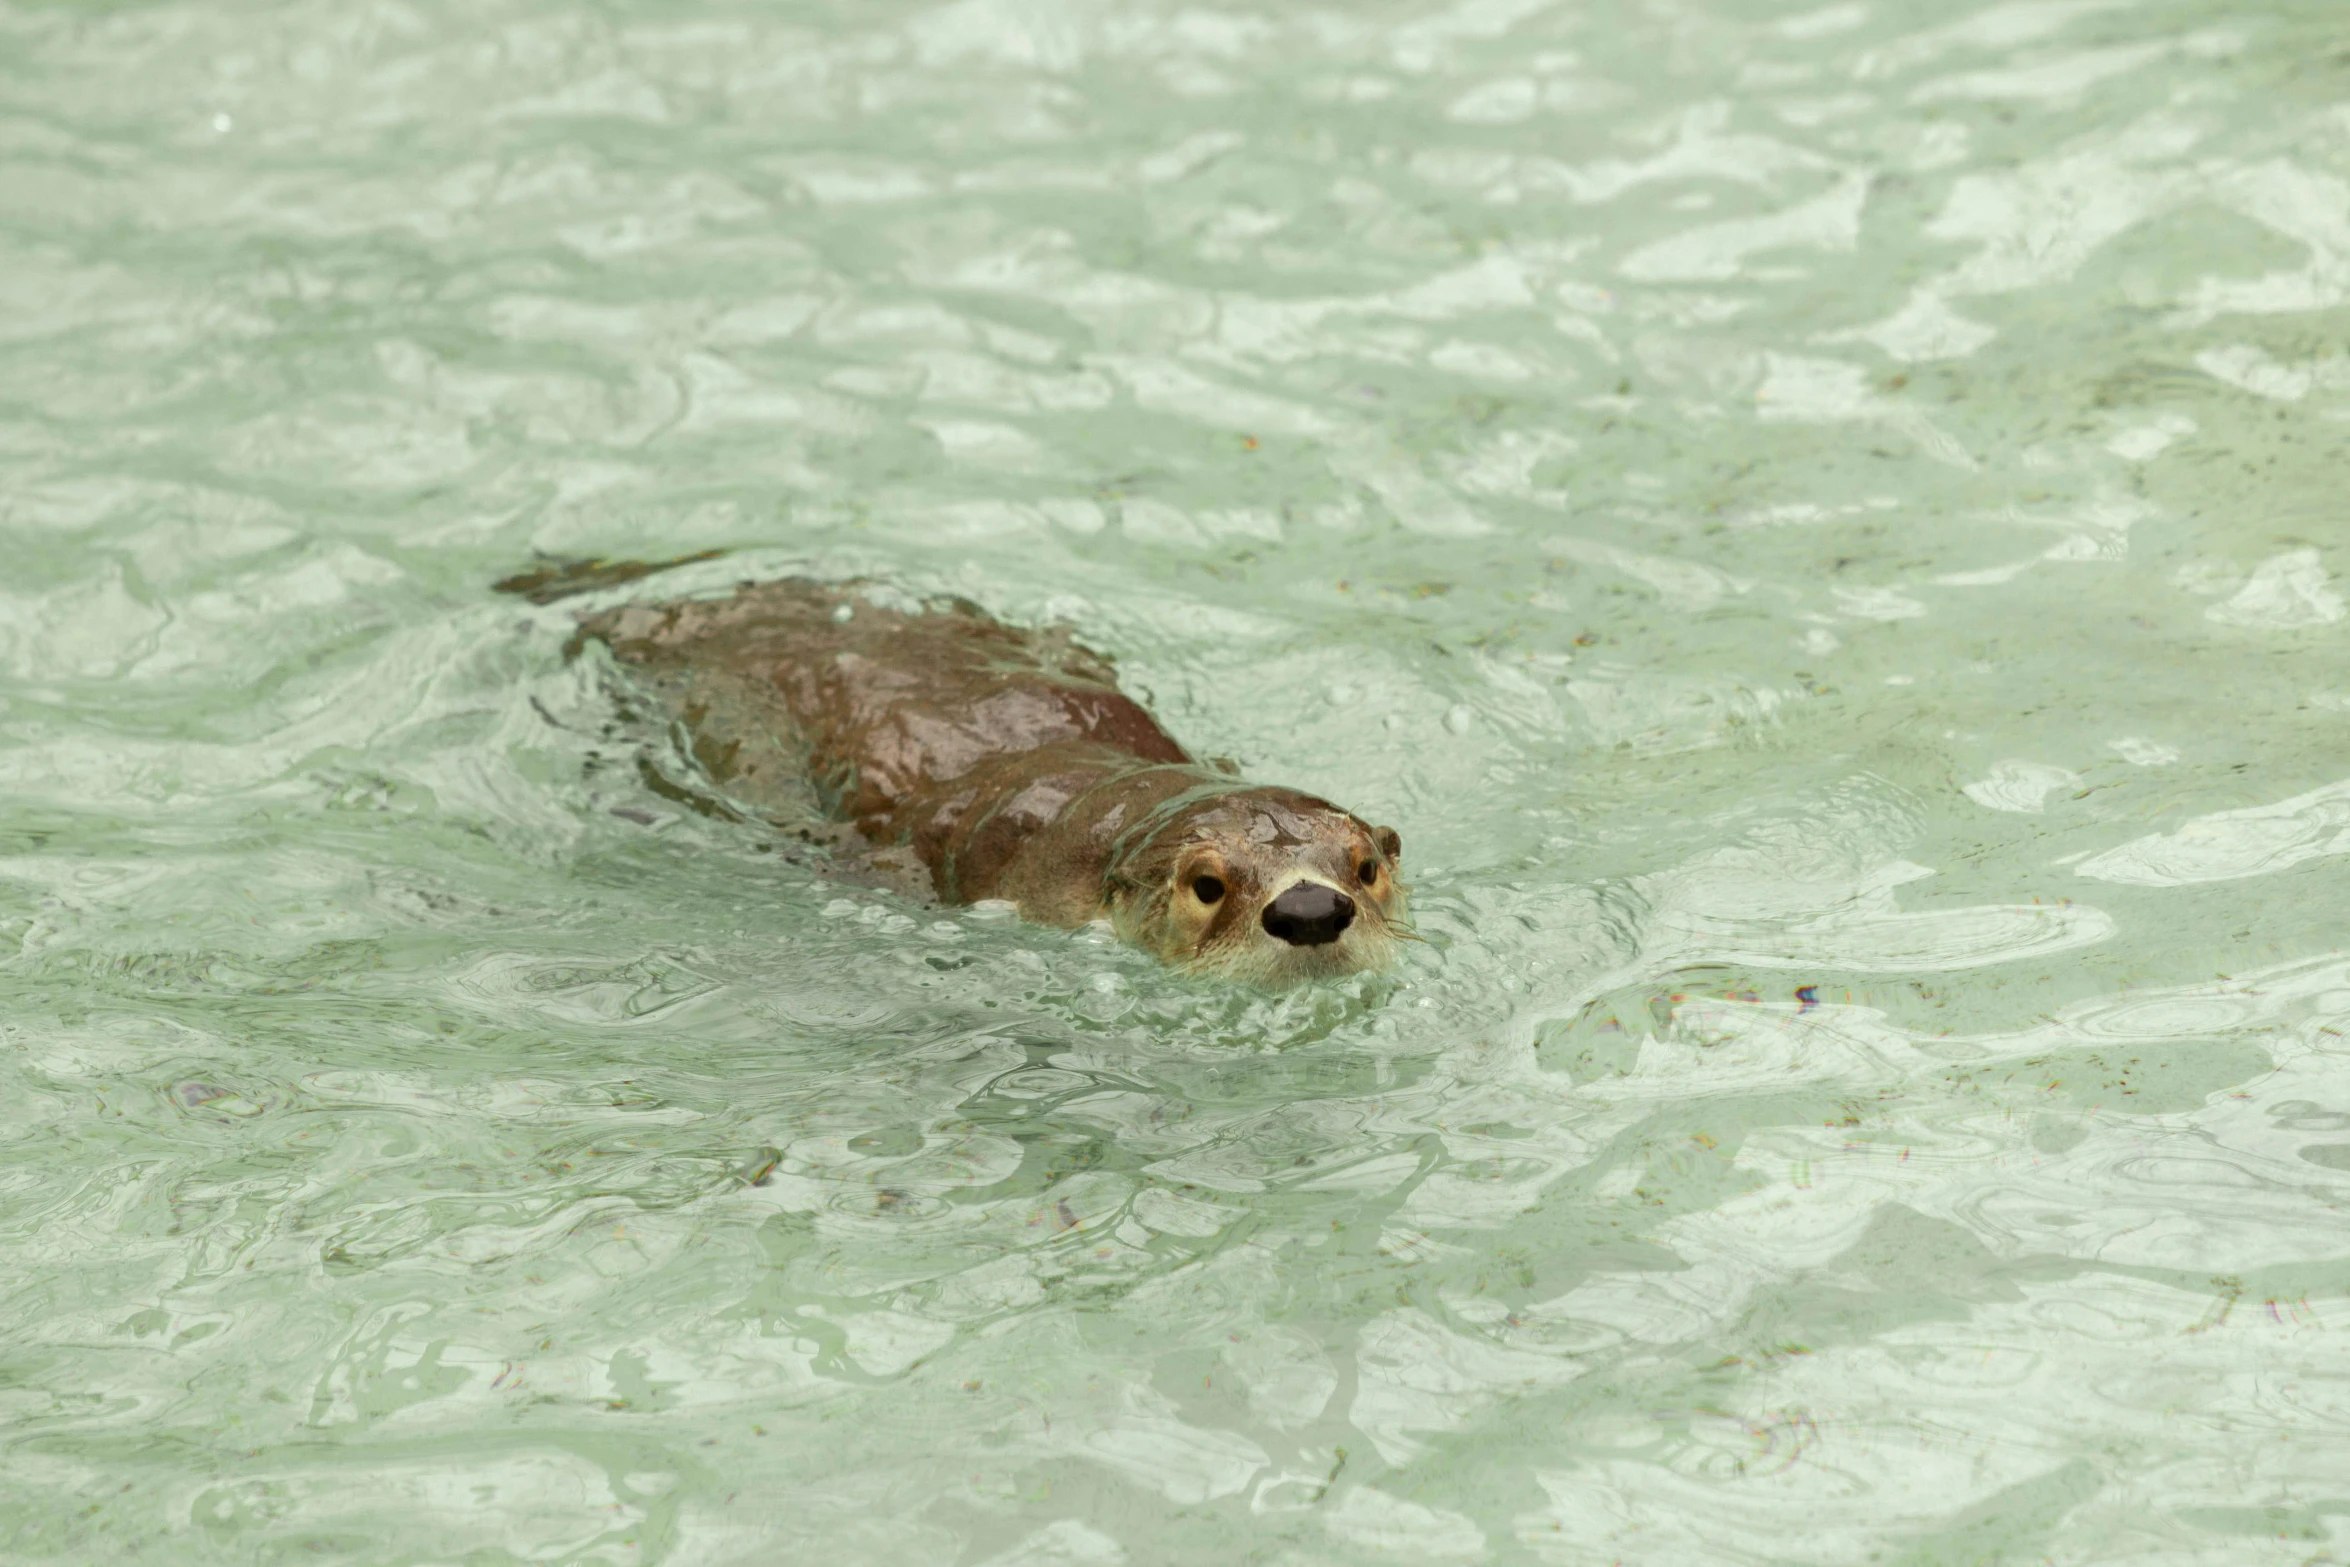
[[1821, 526]]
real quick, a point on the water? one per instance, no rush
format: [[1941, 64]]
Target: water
[[1822, 527]]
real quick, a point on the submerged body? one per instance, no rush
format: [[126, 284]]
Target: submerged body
[[1009, 765]]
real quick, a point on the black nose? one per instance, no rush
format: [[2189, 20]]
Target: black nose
[[1309, 914]]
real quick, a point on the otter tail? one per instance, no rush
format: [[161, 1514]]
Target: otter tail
[[555, 578]]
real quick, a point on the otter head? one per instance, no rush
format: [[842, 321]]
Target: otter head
[[1265, 886]]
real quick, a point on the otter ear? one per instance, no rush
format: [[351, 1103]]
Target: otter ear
[[1390, 843]]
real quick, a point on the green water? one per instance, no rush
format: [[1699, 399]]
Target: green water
[[1823, 527]]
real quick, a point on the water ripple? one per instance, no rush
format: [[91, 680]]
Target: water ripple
[[1816, 527]]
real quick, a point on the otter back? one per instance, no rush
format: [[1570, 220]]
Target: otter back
[[946, 731]]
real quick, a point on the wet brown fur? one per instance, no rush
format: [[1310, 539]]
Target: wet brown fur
[[1008, 764]]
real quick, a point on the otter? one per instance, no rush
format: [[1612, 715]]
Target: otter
[[1008, 765]]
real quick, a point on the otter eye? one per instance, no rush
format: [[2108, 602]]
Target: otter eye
[[1367, 872], [1207, 888]]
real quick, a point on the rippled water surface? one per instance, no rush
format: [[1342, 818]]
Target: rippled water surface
[[1822, 526]]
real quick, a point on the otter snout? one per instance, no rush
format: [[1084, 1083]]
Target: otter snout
[[1309, 914]]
